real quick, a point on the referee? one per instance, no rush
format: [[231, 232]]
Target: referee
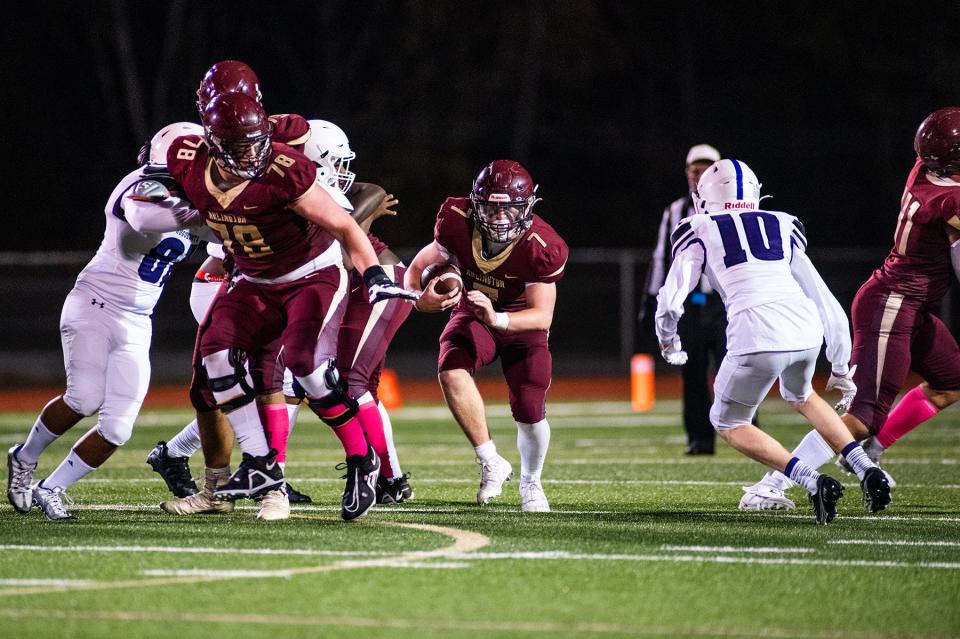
[[703, 325]]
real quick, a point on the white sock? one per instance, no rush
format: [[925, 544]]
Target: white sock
[[71, 470], [293, 411], [857, 458], [803, 474], [533, 440], [486, 451], [37, 441], [813, 450], [186, 442], [249, 430], [388, 434]]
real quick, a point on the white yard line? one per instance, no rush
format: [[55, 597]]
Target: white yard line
[[547, 482], [714, 559], [187, 550], [64, 583], [893, 542], [406, 510], [746, 549]]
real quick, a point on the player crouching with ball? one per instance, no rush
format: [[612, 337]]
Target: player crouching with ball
[[778, 310], [510, 261]]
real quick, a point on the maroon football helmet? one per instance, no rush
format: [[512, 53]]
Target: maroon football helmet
[[503, 197], [227, 76], [239, 134], [937, 142]]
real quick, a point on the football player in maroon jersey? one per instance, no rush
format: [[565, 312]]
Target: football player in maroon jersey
[[894, 325], [510, 261], [281, 230], [211, 428]]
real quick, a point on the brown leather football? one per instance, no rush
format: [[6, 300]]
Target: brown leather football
[[448, 274]]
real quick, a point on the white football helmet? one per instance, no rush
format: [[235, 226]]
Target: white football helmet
[[329, 142], [154, 153], [728, 185]]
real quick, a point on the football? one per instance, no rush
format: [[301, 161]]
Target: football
[[448, 274]]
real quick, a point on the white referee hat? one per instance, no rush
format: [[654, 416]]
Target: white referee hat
[[702, 153]]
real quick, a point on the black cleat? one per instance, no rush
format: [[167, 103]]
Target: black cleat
[[296, 497], [174, 470], [829, 492], [360, 493], [394, 491], [255, 477], [876, 490]]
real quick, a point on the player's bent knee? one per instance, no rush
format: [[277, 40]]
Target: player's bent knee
[[228, 378], [83, 401], [328, 395], [115, 432]]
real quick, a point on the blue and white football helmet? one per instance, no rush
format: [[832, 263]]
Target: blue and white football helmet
[[728, 185]]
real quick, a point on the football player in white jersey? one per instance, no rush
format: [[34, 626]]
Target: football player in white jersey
[[779, 310], [105, 330]]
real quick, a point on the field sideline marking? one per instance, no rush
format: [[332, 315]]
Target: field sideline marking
[[433, 624], [464, 542]]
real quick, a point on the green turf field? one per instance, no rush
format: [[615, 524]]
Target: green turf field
[[642, 542]]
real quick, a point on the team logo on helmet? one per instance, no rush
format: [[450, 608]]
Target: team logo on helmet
[[239, 134], [502, 200]]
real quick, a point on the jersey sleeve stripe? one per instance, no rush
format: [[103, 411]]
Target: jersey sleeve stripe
[[558, 271], [800, 239], [679, 232], [680, 242]]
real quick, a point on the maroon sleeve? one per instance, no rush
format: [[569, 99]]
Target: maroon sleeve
[[290, 129], [450, 222], [549, 254], [298, 173], [379, 246], [181, 153]]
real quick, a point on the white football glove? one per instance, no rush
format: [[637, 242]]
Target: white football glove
[[383, 292], [844, 384], [380, 287], [673, 353]]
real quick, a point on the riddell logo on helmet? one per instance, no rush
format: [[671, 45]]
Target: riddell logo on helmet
[[739, 205]]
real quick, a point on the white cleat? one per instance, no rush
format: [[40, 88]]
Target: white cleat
[[19, 480], [50, 501], [532, 498], [198, 504], [492, 475], [275, 505], [763, 496]]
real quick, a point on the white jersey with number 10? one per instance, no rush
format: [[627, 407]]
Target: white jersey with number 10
[[756, 260]]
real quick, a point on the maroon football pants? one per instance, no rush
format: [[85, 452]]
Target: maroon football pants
[[525, 358], [893, 333]]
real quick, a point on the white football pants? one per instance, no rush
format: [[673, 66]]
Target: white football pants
[[744, 380], [106, 354]]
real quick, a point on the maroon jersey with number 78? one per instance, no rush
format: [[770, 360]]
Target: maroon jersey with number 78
[[252, 219]]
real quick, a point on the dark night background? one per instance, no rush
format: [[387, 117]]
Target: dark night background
[[600, 100]]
